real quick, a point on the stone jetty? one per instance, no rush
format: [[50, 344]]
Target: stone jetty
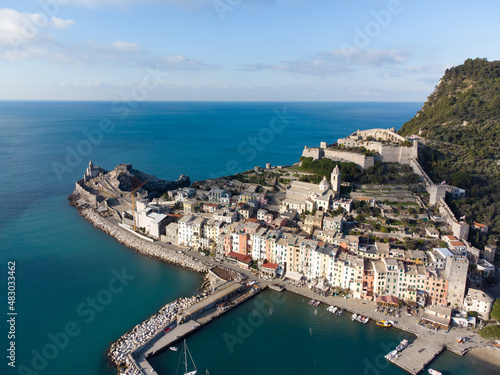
[[147, 248], [121, 352]]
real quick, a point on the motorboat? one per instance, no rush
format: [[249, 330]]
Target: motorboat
[[434, 372], [174, 348], [391, 355], [383, 323], [403, 344], [354, 317]]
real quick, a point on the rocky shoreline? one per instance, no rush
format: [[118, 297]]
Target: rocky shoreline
[[150, 249]]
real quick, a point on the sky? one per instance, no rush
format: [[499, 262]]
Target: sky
[[239, 50]]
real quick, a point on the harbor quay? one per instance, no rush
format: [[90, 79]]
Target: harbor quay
[[427, 345]]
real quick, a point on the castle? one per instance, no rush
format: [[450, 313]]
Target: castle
[[385, 143]]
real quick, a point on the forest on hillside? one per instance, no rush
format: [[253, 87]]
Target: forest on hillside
[[460, 123]]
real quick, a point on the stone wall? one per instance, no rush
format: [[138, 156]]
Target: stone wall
[[460, 229], [85, 194], [315, 153], [360, 159]]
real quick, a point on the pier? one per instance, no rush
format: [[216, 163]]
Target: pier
[[419, 354]]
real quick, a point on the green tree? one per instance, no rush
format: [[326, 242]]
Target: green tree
[[495, 312]]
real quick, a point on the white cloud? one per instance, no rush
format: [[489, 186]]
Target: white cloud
[[177, 62], [189, 4], [336, 61], [125, 46], [371, 56], [20, 28], [85, 84], [62, 24]]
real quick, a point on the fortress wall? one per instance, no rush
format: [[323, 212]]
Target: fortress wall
[[361, 160], [408, 153], [89, 197], [459, 229], [314, 153]]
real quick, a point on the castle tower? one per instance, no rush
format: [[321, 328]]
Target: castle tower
[[335, 179]]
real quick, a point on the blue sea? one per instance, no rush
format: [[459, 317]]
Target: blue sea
[[77, 289]]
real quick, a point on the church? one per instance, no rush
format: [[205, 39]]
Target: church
[[304, 196]]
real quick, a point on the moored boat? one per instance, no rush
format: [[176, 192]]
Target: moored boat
[[185, 353], [434, 372], [366, 320], [391, 355], [383, 323], [174, 348], [354, 317], [403, 344]]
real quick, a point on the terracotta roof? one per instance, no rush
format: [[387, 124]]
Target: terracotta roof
[[456, 243], [270, 265], [175, 215], [241, 257], [479, 225]]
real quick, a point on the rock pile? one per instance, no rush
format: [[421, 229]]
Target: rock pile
[[141, 246], [121, 351]]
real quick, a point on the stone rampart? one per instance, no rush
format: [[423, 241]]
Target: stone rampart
[[85, 194], [360, 159]]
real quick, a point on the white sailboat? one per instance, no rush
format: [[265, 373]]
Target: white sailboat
[[186, 352]]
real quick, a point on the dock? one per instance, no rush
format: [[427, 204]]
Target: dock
[[276, 287], [419, 353]]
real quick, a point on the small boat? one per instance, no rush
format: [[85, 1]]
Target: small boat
[[334, 310], [174, 348], [383, 323], [354, 317], [366, 320], [359, 318], [434, 372], [339, 312], [391, 355], [312, 301], [317, 303], [403, 344]]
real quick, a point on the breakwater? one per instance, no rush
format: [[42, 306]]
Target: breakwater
[[137, 244], [121, 352]]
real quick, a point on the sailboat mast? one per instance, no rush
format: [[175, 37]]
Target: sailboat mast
[[185, 355]]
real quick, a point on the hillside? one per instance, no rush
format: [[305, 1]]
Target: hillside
[[461, 125]]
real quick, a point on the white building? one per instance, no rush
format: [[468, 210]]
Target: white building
[[151, 221], [479, 301]]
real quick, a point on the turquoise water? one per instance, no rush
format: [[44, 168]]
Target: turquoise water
[[63, 263]]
